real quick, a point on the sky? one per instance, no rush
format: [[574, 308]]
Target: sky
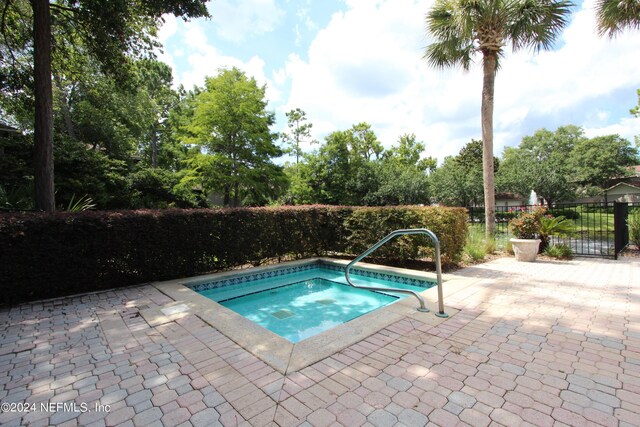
[[349, 61]]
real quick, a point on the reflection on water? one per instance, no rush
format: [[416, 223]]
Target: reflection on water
[[306, 308]]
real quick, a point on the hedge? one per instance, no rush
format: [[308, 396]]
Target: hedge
[[50, 255]]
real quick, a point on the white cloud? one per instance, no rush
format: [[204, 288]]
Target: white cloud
[[199, 59], [367, 65], [626, 127], [235, 19]]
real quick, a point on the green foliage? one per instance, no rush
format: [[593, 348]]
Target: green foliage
[[614, 16], [477, 246], [93, 250], [83, 203], [565, 212], [300, 132], [462, 29], [527, 224], [636, 110], [17, 198], [560, 251], [541, 164], [232, 127], [595, 161], [633, 222], [564, 164], [344, 169], [158, 188], [459, 181], [508, 247], [368, 225], [554, 226]]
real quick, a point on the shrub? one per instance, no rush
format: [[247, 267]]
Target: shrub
[[565, 212], [560, 251], [633, 222], [527, 224], [365, 226], [554, 226], [44, 256], [475, 246]]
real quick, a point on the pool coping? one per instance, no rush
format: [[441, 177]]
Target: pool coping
[[278, 352]]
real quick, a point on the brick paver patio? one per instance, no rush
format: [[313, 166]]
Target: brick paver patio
[[547, 343]]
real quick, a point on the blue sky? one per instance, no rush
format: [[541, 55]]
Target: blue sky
[[348, 61]]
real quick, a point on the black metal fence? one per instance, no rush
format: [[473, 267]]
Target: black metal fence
[[600, 228]]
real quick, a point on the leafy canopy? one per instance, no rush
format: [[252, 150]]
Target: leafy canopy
[[231, 126], [614, 16], [462, 28]]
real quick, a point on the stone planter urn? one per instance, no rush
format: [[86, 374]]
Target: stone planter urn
[[525, 249]]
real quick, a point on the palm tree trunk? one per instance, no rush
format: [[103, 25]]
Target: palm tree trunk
[[43, 126], [489, 63]]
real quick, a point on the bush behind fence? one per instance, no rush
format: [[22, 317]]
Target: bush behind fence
[[44, 256]]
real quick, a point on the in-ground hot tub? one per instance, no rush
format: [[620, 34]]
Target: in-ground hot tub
[[293, 314]]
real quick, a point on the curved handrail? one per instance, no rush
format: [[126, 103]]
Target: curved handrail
[[384, 240]]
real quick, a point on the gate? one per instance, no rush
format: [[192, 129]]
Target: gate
[[621, 229], [601, 228]]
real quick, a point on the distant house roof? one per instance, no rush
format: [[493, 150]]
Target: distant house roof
[[509, 196], [635, 170], [621, 185]]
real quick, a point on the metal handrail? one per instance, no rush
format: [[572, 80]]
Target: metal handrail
[[384, 240]]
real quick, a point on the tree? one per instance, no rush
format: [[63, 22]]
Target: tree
[[458, 182], [402, 174], [232, 127], [408, 153], [542, 163], [43, 127], [344, 170], [112, 32], [300, 132], [155, 86], [597, 160], [463, 28], [614, 16]]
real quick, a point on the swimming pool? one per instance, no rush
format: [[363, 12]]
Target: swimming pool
[[300, 302]]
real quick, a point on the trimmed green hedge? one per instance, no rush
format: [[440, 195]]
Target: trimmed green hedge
[[44, 256]]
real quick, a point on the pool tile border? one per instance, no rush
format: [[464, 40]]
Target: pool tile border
[[246, 278]]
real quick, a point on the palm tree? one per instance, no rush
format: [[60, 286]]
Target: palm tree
[[462, 28], [616, 15]]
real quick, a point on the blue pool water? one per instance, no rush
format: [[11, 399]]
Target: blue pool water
[[304, 309], [301, 302]]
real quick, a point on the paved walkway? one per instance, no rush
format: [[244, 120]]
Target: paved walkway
[[548, 343]]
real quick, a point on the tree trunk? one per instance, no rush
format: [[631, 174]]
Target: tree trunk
[[489, 64], [236, 196], [43, 126], [154, 147], [227, 197], [64, 105]]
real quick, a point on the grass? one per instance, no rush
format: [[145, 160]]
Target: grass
[[559, 251], [477, 245]]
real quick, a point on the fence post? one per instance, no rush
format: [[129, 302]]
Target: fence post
[[620, 228]]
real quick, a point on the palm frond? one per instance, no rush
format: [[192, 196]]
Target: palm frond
[[536, 23], [615, 15], [453, 36], [449, 54]]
